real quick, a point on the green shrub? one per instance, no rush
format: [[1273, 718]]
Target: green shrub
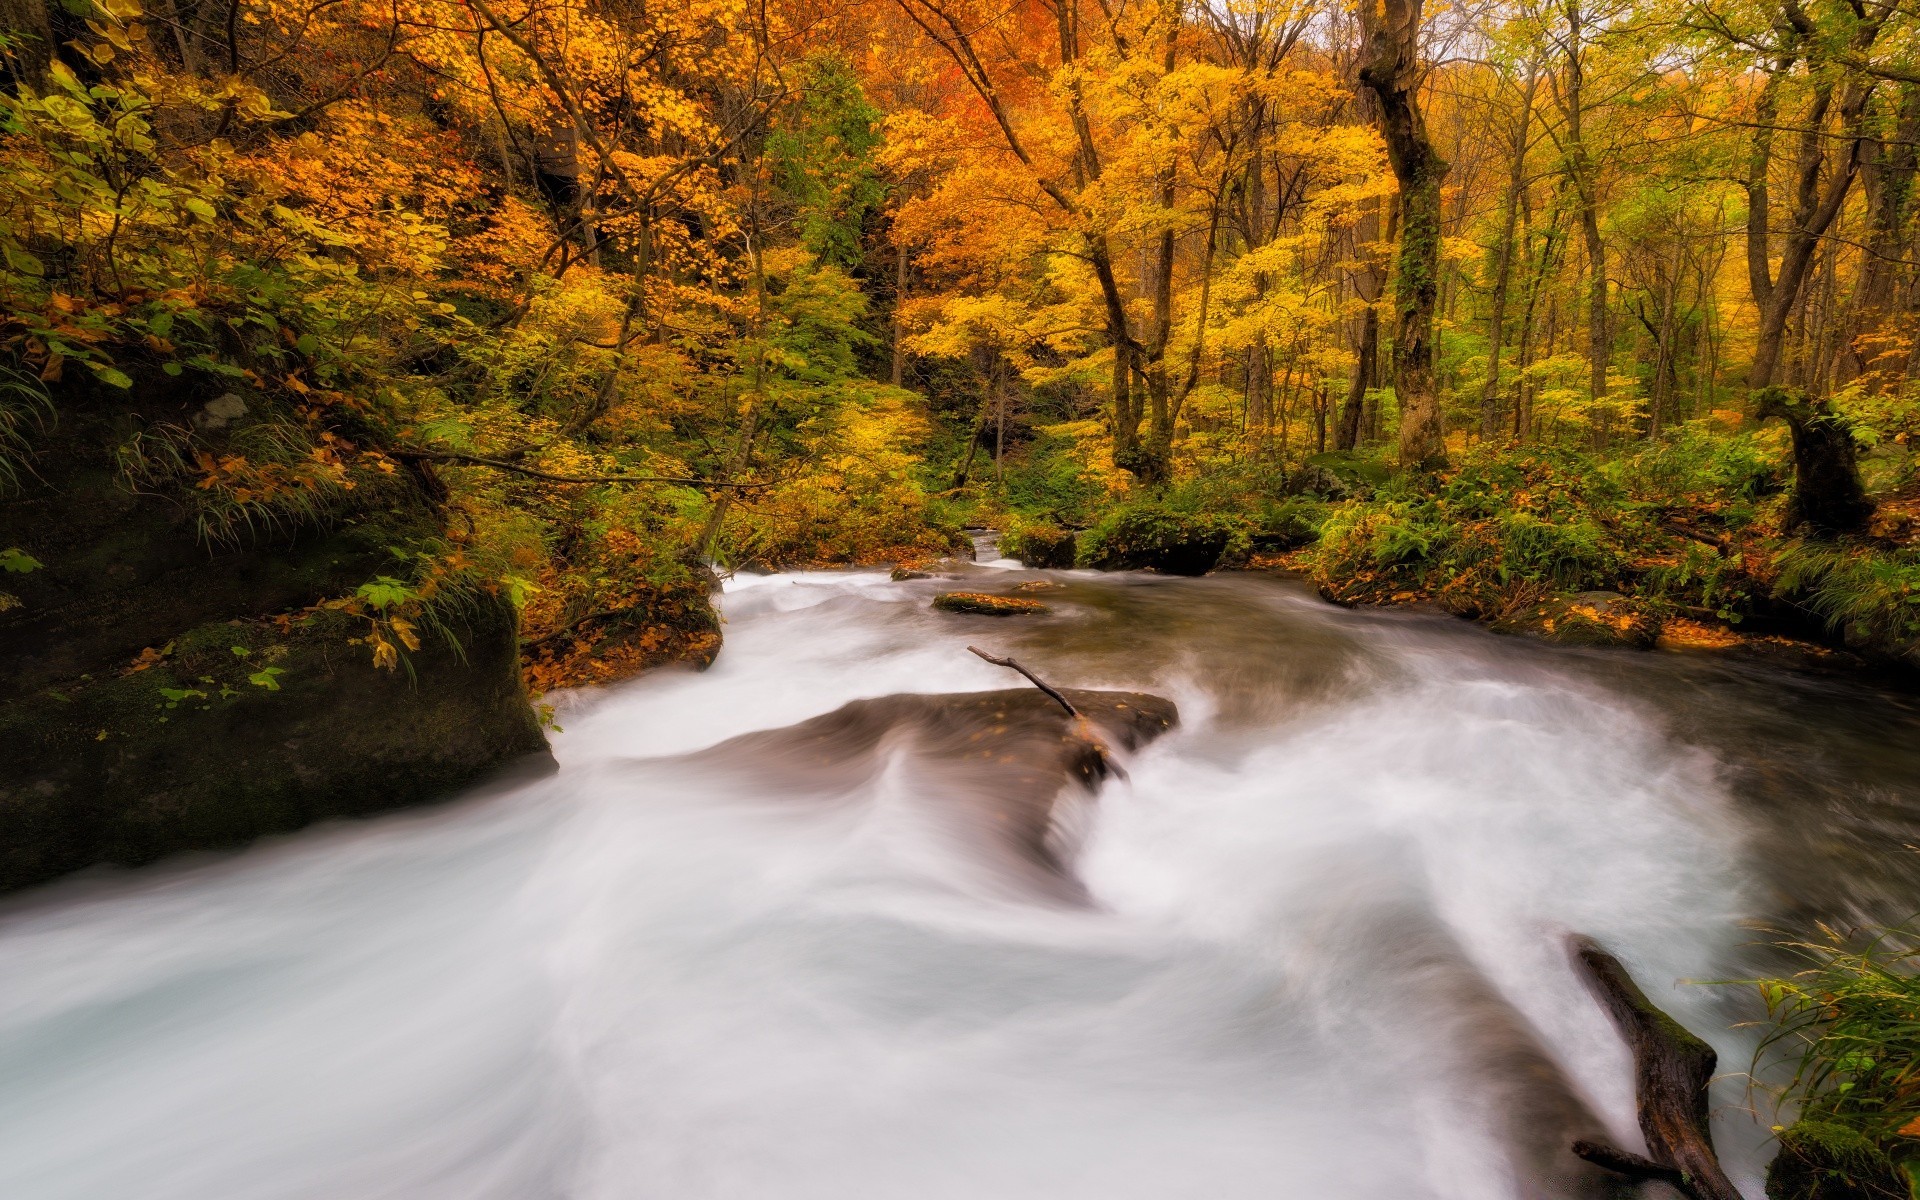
[[1702, 468], [1848, 1026], [1051, 482], [1289, 523], [1870, 596], [1503, 531]]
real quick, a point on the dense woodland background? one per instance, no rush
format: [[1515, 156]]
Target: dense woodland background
[[1484, 304]]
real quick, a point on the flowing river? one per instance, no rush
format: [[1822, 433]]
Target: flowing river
[[1312, 947]]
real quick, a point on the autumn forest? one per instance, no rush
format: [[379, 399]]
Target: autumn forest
[[373, 372]]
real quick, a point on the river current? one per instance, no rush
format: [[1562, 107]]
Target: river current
[[1314, 946]]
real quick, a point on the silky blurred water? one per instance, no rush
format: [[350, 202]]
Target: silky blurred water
[[1324, 953]]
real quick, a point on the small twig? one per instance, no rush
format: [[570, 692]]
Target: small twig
[[447, 456], [1078, 725], [1035, 680]]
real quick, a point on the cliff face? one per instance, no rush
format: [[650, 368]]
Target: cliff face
[[147, 704]]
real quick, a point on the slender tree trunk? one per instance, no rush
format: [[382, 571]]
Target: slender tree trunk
[[1583, 174], [1390, 69], [1503, 266], [899, 325], [1365, 369], [1816, 205], [1368, 283]]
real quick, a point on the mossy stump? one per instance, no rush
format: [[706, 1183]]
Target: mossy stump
[[982, 604]]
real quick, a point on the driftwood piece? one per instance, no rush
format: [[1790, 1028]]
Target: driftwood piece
[[1079, 728], [1671, 1068], [1035, 680]]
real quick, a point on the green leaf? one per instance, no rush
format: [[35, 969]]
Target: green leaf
[[266, 677], [199, 208], [161, 323], [18, 561], [172, 368], [240, 651], [384, 592], [24, 263], [111, 375]]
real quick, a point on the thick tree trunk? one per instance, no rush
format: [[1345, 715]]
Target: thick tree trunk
[[1827, 497], [1390, 70], [1889, 174]]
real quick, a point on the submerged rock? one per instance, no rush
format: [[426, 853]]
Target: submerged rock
[[984, 604], [994, 765]]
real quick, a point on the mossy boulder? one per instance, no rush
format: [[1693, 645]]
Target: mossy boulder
[[1586, 619], [1824, 1160], [242, 730], [147, 702], [983, 604], [1147, 537], [1041, 547]]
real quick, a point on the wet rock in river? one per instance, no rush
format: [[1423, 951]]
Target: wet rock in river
[[984, 604], [993, 766]]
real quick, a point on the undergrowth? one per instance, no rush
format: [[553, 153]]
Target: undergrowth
[[1848, 1028]]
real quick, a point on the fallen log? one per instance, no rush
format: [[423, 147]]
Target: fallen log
[[1672, 1069]]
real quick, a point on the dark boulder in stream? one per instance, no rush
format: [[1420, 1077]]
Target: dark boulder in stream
[[995, 764]]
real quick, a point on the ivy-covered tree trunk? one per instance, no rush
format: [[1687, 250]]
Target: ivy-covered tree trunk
[[1827, 497], [1389, 68]]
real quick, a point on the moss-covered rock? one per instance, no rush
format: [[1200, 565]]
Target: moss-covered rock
[[242, 731], [147, 704], [1586, 619], [1823, 1160], [1042, 547], [985, 605], [1147, 537]]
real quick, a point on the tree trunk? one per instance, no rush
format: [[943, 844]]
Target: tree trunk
[[1889, 174], [1816, 205], [1365, 368], [899, 326], [1827, 498], [1672, 1069], [28, 23], [1503, 268], [1390, 70], [1368, 283], [1583, 175]]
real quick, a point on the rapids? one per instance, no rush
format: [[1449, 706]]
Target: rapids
[[1312, 945]]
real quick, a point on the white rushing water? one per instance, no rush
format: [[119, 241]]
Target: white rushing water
[[1324, 959]]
